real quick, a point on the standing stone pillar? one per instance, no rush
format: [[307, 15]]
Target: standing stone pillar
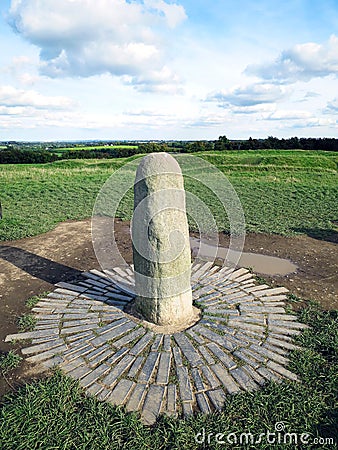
[[161, 248]]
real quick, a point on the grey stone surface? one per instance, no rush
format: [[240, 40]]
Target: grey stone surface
[[268, 374], [118, 370], [166, 342], [171, 398], [42, 347], [129, 337], [149, 367], [152, 404], [227, 360], [210, 377], [215, 337], [177, 356], [187, 409], [244, 379], [46, 354], [163, 368], [244, 357], [198, 382], [120, 392], [196, 337], [136, 366], [113, 333], [136, 398], [94, 375], [157, 342], [281, 370], [203, 403], [117, 356], [184, 383], [225, 378], [206, 355], [162, 261], [188, 349], [269, 354], [93, 389], [217, 398], [142, 343], [254, 374], [100, 358]]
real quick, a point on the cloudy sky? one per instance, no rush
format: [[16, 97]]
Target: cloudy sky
[[168, 69]]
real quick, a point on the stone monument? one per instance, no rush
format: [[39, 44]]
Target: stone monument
[[161, 248]]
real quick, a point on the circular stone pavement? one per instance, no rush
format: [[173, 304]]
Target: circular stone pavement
[[241, 341]]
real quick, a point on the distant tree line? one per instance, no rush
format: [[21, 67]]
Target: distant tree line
[[18, 156], [21, 153], [223, 143]]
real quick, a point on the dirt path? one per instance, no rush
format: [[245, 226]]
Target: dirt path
[[31, 266]]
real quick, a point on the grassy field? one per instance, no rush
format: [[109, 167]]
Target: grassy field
[[54, 413], [281, 192], [90, 148]]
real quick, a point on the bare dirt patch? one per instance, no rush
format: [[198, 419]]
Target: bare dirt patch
[[32, 266]]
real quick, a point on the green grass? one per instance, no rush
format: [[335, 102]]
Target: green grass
[[32, 301], [26, 322], [55, 414], [89, 148], [282, 192], [8, 362]]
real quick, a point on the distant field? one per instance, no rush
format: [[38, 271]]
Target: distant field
[[89, 148], [282, 192]]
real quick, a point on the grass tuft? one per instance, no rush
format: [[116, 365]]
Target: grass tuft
[[26, 322], [9, 361]]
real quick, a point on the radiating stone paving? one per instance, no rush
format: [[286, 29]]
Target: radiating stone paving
[[241, 342]]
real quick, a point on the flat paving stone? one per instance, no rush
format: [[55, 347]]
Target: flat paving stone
[[225, 378], [157, 342], [221, 356], [210, 377], [113, 333], [206, 355], [171, 398], [163, 368], [217, 398], [152, 404], [149, 367], [94, 375], [118, 370], [133, 371], [177, 356], [198, 381], [120, 392], [129, 337], [215, 337], [188, 349], [142, 344], [136, 398], [244, 379], [241, 341], [184, 383]]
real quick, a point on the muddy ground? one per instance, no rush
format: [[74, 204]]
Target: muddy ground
[[31, 266]]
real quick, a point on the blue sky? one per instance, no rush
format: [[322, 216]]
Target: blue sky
[[162, 69]]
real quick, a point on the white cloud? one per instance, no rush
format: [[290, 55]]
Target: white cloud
[[288, 115], [301, 62], [90, 37], [11, 97], [247, 96], [332, 107]]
